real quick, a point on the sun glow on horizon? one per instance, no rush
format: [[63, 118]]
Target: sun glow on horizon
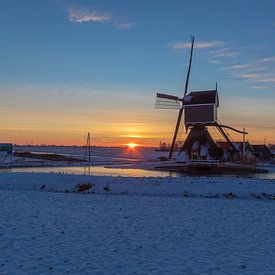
[[132, 145]]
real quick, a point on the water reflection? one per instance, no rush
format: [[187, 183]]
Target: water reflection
[[96, 170], [123, 172]]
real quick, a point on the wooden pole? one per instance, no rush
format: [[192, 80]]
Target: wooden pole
[[243, 141], [85, 153], [89, 146]]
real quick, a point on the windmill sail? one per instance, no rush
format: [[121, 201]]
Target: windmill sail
[[164, 101], [185, 92]]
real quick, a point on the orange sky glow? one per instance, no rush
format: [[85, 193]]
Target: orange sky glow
[[142, 125]]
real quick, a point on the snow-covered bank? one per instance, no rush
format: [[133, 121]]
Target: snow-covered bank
[[127, 225], [207, 187], [57, 233]]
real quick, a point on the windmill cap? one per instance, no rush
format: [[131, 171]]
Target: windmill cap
[[202, 97]]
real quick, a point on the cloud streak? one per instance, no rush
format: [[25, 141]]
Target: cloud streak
[[225, 52], [198, 45], [243, 63], [268, 80], [269, 59], [241, 66], [249, 76], [84, 15], [214, 61], [123, 26], [258, 87], [255, 70]]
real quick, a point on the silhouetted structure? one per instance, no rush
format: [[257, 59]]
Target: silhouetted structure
[[262, 152], [200, 112]]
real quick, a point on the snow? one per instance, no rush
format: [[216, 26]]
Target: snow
[[182, 156], [90, 224], [44, 232], [213, 187], [99, 156], [100, 153]]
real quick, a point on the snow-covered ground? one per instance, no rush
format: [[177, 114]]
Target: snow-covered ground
[[80, 224], [100, 153], [59, 233], [208, 187], [99, 156]]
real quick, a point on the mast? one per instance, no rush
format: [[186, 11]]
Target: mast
[[243, 141], [88, 148]]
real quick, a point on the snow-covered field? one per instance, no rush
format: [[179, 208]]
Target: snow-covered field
[[100, 154], [79, 224], [65, 233]]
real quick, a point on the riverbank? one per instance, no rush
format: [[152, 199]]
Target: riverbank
[[206, 187]]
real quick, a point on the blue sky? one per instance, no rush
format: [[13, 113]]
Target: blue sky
[[70, 67]]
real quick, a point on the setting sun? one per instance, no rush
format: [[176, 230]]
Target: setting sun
[[132, 145]]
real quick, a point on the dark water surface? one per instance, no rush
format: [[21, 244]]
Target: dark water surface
[[124, 172]]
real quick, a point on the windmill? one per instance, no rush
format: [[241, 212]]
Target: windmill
[[200, 111]]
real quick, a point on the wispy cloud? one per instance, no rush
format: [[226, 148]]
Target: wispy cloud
[[258, 71], [225, 52], [123, 26], [257, 68], [198, 45], [242, 62], [82, 15], [249, 76], [257, 78], [268, 80], [247, 67], [258, 87], [214, 61], [241, 66], [267, 59]]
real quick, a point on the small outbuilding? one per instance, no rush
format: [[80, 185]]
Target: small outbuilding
[[241, 149], [6, 148], [271, 148], [262, 152]]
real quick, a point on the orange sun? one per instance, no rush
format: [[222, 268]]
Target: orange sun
[[132, 145]]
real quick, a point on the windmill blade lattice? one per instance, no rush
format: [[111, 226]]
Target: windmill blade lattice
[[164, 101]]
